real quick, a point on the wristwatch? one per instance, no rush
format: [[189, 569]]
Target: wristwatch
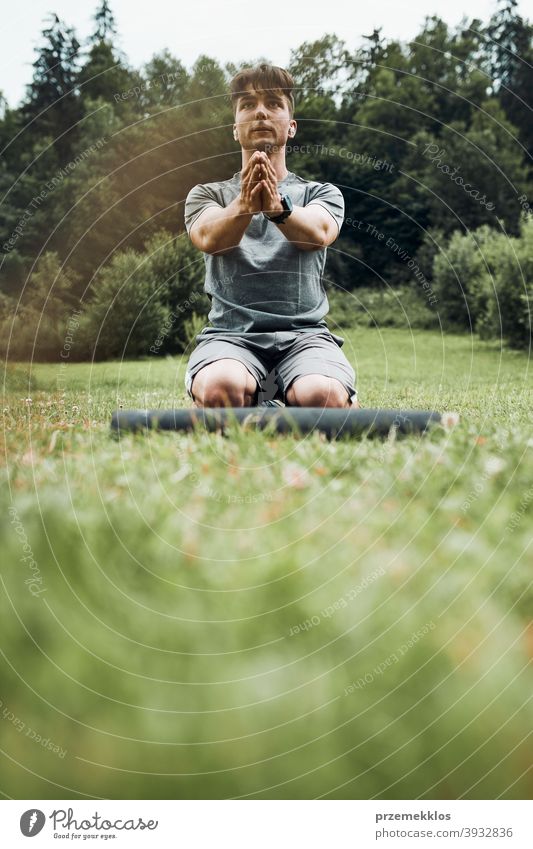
[[286, 203]]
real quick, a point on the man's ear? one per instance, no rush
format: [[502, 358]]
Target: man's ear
[[292, 128], [235, 133]]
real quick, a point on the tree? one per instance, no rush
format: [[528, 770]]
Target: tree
[[105, 23], [165, 82], [361, 64], [52, 100], [105, 74], [469, 176], [319, 67], [510, 52]]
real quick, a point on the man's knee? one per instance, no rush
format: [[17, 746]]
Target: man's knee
[[224, 383], [316, 390]]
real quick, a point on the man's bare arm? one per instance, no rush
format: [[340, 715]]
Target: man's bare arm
[[309, 227], [218, 230]]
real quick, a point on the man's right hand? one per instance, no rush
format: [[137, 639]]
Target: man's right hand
[[219, 229], [251, 184]]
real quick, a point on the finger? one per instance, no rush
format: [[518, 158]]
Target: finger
[[273, 180], [252, 176], [265, 173], [269, 166], [269, 199], [270, 171], [272, 188], [250, 165]]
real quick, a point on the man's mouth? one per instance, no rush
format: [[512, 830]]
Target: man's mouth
[[262, 130]]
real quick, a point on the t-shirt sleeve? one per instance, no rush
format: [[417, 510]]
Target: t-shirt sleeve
[[198, 199], [330, 197]]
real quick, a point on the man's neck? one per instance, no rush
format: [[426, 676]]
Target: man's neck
[[277, 159]]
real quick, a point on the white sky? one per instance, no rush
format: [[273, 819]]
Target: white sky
[[227, 30]]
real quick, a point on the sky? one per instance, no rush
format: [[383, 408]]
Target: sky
[[227, 30]]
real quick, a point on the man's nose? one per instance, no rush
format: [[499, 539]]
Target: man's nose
[[260, 111]]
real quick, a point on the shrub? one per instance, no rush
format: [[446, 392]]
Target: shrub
[[484, 282], [34, 326], [514, 287], [191, 328], [457, 271], [178, 269], [401, 306], [142, 302], [125, 316]]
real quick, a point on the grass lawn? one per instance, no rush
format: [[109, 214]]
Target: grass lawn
[[201, 616]]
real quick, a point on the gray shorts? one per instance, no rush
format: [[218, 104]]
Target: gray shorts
[[276, 359]]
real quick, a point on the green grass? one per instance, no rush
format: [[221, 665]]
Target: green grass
[[233, 616]]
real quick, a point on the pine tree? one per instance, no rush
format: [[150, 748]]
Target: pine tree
[[105, 74], [510, 51], [105, 23], [52, 101]]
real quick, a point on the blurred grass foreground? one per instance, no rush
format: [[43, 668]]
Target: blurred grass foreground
[[200, 616]]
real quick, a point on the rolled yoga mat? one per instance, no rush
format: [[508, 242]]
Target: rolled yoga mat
[[333, 421]]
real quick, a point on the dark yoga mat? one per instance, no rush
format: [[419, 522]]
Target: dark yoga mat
[[334, 422]]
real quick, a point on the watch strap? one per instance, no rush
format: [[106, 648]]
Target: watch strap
[[287, 209]]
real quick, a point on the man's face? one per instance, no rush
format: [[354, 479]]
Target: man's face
[[263, 119]]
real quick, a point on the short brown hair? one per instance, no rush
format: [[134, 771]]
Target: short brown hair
[[262, 78]]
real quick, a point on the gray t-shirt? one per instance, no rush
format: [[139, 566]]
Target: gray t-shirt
[[265, 283]]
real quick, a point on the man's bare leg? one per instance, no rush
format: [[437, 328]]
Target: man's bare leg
[[316, 390], [224, 383]]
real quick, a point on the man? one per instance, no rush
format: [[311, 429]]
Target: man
[[264, 234]]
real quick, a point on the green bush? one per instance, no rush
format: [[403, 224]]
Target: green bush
[[459, 280], [125, 316], [35, 325], [179, 270], [400, 306], [143, 301], [484, 282], [511, 311], [192, 328]]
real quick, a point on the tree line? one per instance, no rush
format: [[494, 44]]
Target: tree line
[[430, 141]]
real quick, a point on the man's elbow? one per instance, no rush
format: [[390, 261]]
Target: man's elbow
[[199, 239], [323, 238], [203, 241], [330, 234], [211, 247], [316, 243], [204, 244]]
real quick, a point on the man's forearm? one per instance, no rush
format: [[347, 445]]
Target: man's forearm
[[221, 230], [305, 228]]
